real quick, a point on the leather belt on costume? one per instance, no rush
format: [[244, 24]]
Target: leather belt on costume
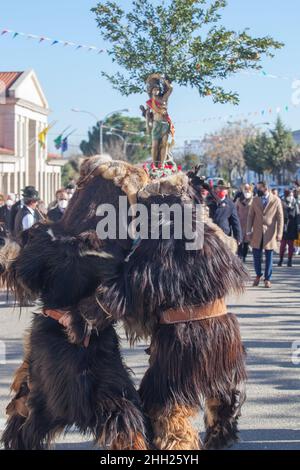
[[58, 314], [194, 313]]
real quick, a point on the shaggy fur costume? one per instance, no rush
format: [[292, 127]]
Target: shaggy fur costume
[[190, 362], [62, 383], [9, 251]]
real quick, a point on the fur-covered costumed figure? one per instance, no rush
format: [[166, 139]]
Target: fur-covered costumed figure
[[73, 374]]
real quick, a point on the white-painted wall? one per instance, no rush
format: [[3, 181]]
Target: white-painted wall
[[26, 103]]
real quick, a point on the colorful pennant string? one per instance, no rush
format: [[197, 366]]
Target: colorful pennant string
[[52, 41], [89, 48], [241, 116]]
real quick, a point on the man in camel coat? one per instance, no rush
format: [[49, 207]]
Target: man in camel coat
[[265, 229]]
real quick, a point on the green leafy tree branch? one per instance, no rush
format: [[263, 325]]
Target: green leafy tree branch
[[181, 39]]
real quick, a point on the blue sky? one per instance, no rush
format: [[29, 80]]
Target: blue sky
[[73, 78]]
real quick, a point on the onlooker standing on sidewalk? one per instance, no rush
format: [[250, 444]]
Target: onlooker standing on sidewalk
[[5, 212], [297, 242], [70, 189], [265, 229], [17, 206], [27, 216], [62, 203], [291, 225], [223, 212], [243, 205]]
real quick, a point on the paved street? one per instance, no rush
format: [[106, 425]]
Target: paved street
[[270, 322]]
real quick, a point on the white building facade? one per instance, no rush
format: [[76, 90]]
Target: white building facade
[[23, 115]]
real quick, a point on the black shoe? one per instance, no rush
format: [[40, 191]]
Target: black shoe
[[280, 262], [290, 264]]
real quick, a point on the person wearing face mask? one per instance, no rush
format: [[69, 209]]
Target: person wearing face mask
[[62, 203], [27, 215], [243, 205], [265, 229], [19, 204], [223, 212], [70, 190], [291, 226], [5, 212]]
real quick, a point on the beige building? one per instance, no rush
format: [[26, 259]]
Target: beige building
[[23, 115]]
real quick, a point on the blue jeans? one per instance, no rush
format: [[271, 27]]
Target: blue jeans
[[257, 256]]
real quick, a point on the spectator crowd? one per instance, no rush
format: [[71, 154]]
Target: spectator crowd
[[256, 217], [20, 213]]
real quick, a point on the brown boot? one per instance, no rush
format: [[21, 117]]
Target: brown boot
[[256, 281], [268, 284]]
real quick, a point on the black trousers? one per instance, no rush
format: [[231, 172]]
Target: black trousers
[[243, 250]]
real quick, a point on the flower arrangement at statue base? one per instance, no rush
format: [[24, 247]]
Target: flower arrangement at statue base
[[161, 169]]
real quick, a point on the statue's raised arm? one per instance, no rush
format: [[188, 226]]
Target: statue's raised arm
[[158, 120], [169, 87]]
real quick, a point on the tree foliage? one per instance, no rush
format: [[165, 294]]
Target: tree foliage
[[283, 154], [256, 153], [275, 153], [188, 161], [70, 171], [182, 39], [132, 147], [226, 148]]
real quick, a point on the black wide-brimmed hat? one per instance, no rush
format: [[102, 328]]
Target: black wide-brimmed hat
[[29, 192]]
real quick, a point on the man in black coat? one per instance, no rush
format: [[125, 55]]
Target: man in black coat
[[57, 212], [5, 212], [18, 205], [291, 212], [28, 214], [223, 212]]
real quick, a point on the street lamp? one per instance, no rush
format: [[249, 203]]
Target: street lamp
[[120, 137], [262, 124], [101, 123], [126, 144], [230, 123]]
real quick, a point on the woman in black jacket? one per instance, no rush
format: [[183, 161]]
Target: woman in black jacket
[[291, 212]]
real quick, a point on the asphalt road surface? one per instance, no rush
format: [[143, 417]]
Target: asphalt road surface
[[270, 323]]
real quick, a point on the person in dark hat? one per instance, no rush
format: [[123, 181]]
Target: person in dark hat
[[15, 208], [27, 215], [70, 190], [223, 212]]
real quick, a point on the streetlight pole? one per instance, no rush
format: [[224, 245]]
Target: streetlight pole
[[101, 122], [231, 123], [75, 110], [120, 137], [126, 143]]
